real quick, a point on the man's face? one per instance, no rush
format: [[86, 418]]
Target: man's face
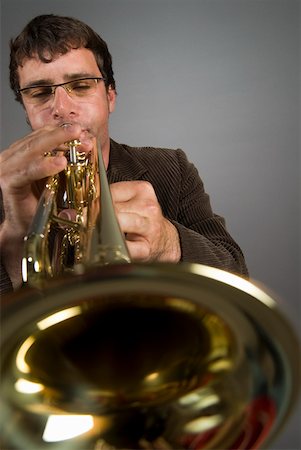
[[91, 112]]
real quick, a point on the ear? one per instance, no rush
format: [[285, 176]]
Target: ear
[[111, 95]]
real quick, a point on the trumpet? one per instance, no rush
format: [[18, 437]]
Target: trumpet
[[99, 352], [91, 238]]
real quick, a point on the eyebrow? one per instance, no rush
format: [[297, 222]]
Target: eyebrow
[[67, 77]]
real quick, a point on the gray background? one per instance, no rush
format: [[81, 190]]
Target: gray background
[[220, 79]]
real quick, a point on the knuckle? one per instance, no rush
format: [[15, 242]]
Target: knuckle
[[139, 222], [145, 187], [27, 146], [22, 172]]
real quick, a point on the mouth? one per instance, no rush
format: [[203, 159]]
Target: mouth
[[84, 130], [85, 137]]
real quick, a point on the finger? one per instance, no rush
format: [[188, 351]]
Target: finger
[[40, 141], [25, 158], [51, 138], [44, 167], [139, 250], [133, 223], [124, 191], [22, 172]]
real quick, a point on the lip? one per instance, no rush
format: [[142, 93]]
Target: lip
[[85, 136]]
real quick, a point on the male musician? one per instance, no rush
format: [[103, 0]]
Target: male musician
[[61, 73]]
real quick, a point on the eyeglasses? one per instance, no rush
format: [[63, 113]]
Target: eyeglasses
[[80, 88]]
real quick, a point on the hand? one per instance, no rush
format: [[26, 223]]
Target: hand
[[149, 235], [22, 165]]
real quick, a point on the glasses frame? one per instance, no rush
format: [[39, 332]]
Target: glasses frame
[[53, 87]]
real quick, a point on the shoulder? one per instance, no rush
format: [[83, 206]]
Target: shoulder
[[150, 156], [163, 167], [143, 150]]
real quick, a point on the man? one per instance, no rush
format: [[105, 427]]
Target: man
[[61, 72]]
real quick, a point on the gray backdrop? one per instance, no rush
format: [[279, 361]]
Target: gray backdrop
[[221, 79]]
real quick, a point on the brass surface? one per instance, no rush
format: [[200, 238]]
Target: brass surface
[[155, 355]]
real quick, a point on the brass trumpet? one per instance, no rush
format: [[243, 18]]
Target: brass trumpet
[[101, 353], [91, 238]]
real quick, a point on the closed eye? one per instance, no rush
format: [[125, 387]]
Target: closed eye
[[81, 86], [41, 92]]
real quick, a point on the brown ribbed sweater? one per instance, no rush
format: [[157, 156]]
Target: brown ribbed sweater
[[180, 192]]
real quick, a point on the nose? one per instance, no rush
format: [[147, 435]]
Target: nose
[[63, 105]]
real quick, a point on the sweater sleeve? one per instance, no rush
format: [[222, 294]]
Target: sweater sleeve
[[5, 283], [204, 238]]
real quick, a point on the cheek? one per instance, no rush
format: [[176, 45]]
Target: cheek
[[36, 120], [97, 114]]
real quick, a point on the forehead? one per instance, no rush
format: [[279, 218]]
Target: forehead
[[63, 67]]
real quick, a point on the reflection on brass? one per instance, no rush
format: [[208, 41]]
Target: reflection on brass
[[101, 353]]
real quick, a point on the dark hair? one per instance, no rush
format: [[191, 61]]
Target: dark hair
[[48, 36]]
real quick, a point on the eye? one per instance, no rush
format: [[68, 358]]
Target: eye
[[81, 86], [42, 92]]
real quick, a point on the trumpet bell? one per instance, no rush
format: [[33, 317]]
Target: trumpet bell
[[146, 356]]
